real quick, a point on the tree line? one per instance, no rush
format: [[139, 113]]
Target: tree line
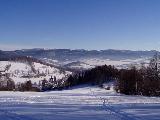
[[7, 84], [94, 76], [142, 81]]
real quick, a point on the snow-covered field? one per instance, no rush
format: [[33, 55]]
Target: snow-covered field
[[117, 63], [93, 62], [80, 103]]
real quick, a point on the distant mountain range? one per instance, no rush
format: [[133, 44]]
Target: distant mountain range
[[81, 58], [67, 54]]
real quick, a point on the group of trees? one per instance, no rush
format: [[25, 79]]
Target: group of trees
[[50, 84], [142, 81], [7, 84], [94, 76], [27, 86]]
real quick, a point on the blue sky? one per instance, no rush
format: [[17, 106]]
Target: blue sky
[[80, 24]]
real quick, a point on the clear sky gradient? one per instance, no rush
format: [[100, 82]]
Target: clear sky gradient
[[80, 24]]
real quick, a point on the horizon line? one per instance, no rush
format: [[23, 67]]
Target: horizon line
[[40, 48]]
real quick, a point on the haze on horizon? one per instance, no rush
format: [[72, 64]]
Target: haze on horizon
[[80, 24]]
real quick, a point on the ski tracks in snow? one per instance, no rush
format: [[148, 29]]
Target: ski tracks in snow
[[112, 112]]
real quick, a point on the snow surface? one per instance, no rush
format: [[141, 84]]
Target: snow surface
[[82, 65], [79, 103], [117, 63]]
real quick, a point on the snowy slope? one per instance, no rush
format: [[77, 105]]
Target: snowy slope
[[23, 71], [117, 63], [79, 103]]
